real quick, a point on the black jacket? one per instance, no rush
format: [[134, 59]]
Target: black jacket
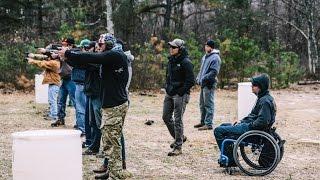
[[114, 74], [179, 76], [92, 80], [87, 74], [263, 114]]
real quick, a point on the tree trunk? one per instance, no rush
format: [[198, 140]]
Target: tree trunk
[[110, 25], [40, 21], [308, 11], [166, 21], [181, 18], [312, 43]]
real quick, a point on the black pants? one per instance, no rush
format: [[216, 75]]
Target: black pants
[[173, 110]]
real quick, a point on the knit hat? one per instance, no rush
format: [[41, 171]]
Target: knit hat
[[107, 39], [210, 43]]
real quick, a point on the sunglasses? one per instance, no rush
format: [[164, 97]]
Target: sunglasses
[[174, 47], [255, 84], [86, 48]]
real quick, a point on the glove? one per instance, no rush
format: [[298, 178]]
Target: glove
[[31, 55]]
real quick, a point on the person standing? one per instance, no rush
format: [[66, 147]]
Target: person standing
[[67, 87], [78, 77], [51, 77], [179, 80], [207, 79], [93, 104], [114, 99]]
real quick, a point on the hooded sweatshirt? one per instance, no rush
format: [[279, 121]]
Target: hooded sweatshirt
[[210, 67], [263, 114]]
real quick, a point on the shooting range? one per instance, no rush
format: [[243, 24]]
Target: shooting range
[[159, 89]]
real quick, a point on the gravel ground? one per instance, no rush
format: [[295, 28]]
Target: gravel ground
[[147, 146]]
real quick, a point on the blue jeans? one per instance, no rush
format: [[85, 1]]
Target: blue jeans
[[227, 130], [87, 126], [80, 99], [207, 105], [94, 122], [53, 91], [67, 87]]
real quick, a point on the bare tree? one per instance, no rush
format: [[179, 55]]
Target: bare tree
[[167, 6], [306, 10], [110, 24]]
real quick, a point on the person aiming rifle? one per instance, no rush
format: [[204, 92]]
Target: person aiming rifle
[[51, 66], [114, 99]]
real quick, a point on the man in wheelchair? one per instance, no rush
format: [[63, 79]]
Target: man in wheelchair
[[261, 117]]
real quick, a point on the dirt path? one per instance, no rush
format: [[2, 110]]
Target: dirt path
[[147, 146]]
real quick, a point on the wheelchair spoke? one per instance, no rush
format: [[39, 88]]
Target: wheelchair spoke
[[258, 155]]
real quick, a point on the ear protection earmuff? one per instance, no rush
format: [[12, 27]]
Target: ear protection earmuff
[[182, 47]]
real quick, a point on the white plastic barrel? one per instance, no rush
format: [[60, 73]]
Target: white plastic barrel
[[246, 99], [41, 90], [47, 155]]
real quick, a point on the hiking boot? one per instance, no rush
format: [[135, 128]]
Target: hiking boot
[[101, 169], [198, 125], [175, 152], [57, 123], [205, 127], [184, 140], [102, 176]]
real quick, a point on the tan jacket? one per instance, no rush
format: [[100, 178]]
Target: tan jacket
[[52, 68]]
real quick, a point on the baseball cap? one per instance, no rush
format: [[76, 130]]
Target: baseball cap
[[85, 43], [69, 40], [176, 43]]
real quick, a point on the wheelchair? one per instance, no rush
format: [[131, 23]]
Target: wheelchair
[[256, 153]]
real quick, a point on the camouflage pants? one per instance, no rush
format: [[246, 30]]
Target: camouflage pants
[[111, 129]]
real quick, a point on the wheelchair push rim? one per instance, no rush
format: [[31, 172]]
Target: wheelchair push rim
[[256, 153], [280, 142]]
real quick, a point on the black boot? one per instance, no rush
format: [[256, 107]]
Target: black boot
[[176, 152], [198, 125], [59, 122], [184, 140], [102, 176]]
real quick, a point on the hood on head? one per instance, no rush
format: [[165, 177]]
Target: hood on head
[[262, 81]]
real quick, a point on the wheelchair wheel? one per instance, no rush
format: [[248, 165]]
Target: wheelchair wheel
[[280, 142], [256, 153], [246, 158]]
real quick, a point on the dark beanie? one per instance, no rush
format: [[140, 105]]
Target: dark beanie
[[210, 43]]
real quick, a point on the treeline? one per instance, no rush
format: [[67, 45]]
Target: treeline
[[279, 37]]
